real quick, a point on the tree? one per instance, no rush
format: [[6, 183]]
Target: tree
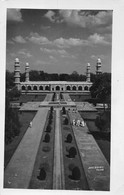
[[66, 121], [9, 80], [14, 93], [101, 88], [92, 77], [12, 124], [34, 75], [74, 76], [101, 92]]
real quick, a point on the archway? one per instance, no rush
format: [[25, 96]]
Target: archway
[[58, 88], [47, 88], [74, 88], [29, 87], [80, 88], [35, 88], [68, 88], [23, 87], [86, 88], [41, 88]]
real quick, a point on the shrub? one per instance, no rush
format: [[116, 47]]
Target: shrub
[[50, 121], [51, 109], [63, 110], [50, 116], [48, 129], [66, 121], [100, 123]]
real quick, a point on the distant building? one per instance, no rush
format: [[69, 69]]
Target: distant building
[[52, 86]]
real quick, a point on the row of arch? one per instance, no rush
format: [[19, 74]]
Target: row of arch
[[57, 88]]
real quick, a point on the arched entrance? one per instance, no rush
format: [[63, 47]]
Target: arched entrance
[[41, 88], [74, 88], [29, 87], [47, 88], [86, 88], [35, 88], [23, 87], [68, 88], [80, 88], [58, 88]]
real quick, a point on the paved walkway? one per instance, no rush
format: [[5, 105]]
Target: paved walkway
[[58, 169], [67, 103], [19, 170], [48, 97], [67, 97], [95, 165], [46, 100]]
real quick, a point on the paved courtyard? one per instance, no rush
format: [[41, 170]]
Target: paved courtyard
[[19, 170]]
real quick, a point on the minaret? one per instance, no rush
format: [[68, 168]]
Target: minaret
[[88, 72], [98, 67], [17, 73], [27, 72]]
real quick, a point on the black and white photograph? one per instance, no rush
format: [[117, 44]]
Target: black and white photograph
[[58, 113]]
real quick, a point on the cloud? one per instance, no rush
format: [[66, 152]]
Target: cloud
[[68, 43], [51, 60], [14, 15], [24, 53], [13, 55], [10, 42], [42, 62], [81, 18], [45, 27], [50, 15], [97, 39], [90, 41], [59, 52], [54, 51], [101, 56], [19, 39], [37, 39], [52, 57]]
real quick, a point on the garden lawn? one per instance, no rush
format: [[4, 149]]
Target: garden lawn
[[24, 118], [79, 98]]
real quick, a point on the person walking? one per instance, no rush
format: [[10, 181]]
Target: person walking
[[30, 125]]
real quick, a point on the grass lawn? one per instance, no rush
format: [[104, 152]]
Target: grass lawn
[[24, 118], [29, 98], [102, 138], [79, 98]]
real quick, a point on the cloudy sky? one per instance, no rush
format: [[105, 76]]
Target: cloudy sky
[[60, 41]]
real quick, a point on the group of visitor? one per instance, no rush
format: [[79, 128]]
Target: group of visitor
[[78, 123]]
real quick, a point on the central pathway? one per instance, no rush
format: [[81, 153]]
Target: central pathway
[[19, 170], [58, 170]]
